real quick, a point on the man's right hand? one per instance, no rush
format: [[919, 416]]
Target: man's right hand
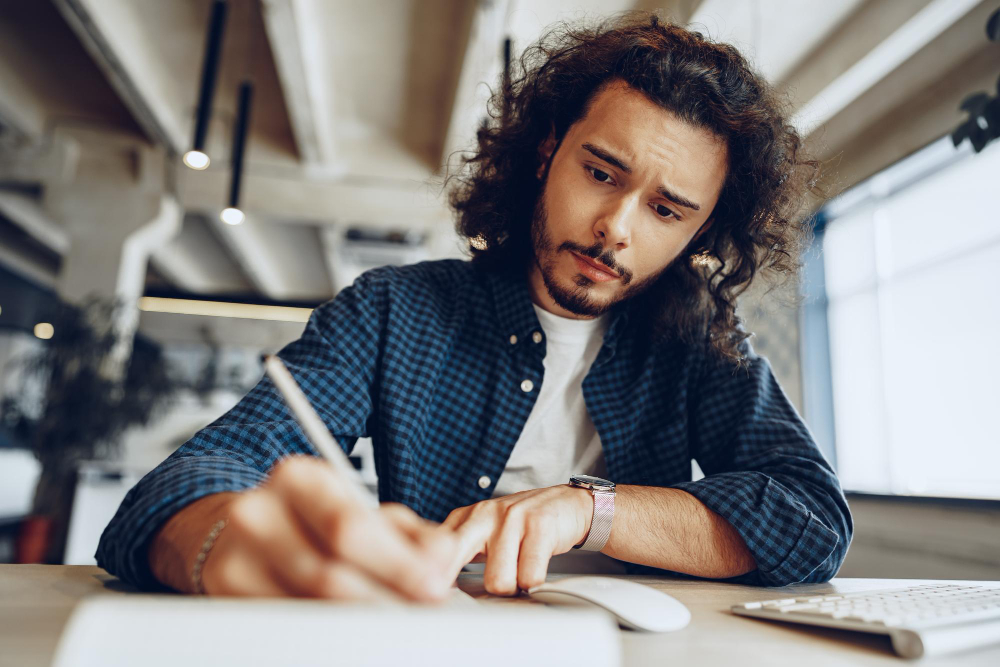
[[305, 533]]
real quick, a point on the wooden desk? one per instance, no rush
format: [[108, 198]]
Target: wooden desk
[[36, 601]]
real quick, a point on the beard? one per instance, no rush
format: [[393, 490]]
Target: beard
[[580, 300]]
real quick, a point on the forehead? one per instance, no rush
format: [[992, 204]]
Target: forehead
[[653, 141]]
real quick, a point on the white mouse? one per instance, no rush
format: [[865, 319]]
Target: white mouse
[[635, 605]]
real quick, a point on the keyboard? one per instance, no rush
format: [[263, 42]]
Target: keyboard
[[930, 619]]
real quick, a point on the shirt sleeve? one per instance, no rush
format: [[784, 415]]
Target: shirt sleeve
[[334, 361], [765, 474]]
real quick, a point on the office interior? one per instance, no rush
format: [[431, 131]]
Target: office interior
[[330, 130]]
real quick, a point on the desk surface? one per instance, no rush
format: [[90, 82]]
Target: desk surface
[[36, 601]]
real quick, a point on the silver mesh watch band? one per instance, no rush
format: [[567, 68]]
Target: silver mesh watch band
[[604, 512]]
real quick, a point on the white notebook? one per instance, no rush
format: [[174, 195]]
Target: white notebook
[[172, 631]]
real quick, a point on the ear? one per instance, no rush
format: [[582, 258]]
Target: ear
[[545, 151]]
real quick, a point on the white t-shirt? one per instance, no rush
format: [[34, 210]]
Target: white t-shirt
[[559, 440]]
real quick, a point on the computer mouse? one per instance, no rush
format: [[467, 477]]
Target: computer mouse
[[635, 605]]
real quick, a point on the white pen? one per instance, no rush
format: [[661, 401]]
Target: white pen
[[314, 428]]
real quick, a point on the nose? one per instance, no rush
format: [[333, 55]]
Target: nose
[[613, 226]]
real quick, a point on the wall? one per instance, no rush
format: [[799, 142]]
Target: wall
[[932, 539]]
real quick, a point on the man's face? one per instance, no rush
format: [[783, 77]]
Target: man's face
[[629, 188]]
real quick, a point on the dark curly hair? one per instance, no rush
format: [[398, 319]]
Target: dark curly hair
[[757, 223]]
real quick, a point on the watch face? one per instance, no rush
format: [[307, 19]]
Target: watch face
[[591, 482]]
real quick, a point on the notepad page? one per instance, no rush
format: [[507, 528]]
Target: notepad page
[[167, 631]]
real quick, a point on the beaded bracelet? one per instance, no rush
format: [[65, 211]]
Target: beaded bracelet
[[199, 560]]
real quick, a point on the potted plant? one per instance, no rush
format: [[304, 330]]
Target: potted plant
[[72, 402]]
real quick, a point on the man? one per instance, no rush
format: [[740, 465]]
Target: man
[[634, 181]]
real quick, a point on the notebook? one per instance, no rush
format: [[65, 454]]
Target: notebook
[[167, 631]]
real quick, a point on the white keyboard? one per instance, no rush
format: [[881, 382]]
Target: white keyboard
[[920, 620]]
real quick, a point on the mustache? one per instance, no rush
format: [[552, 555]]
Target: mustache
[[605, 257]]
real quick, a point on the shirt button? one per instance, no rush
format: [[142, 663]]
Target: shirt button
[[537, 336], [484, 482], [527, 385], [513, 339]]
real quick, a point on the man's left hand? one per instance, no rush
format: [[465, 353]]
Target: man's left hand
[[517, 534]]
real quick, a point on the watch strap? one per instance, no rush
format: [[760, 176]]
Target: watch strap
[[600, 525]]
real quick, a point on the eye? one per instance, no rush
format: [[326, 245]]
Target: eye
[[598, 175], [663, 211]]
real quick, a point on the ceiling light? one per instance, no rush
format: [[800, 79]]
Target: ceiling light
[[44, 330], [197, 160], [232, 216]]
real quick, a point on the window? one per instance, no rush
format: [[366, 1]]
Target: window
[[911, 271]]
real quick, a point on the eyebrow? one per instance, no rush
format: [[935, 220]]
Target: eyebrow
[[602, 154]]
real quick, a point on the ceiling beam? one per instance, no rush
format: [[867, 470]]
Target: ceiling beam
[[481, 67], [899, 47], [246, 243], [26, 213], [109, 35], [278, 196], [296, 65], [172, 259], [180, 268]]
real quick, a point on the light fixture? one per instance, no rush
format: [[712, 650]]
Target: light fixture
[[197, 158], [155, 304], [44, 330], [232, 216]]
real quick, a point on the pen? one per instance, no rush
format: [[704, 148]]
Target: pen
[[313, 426]]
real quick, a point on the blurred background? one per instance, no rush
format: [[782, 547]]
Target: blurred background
[[181, 181]]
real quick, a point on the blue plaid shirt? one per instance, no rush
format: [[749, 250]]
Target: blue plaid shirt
[[429, 359]]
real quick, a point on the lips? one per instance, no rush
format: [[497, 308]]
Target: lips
[[596, 265]]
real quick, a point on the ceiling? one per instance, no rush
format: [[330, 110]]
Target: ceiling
[[358, 106]]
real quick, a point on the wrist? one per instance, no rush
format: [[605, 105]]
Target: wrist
[[585, 512], [602, 511], [174, 547]]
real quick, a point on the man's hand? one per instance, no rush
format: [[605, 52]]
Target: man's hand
[[517, 534], [303, 534]]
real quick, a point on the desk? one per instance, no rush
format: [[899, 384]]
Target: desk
[[36, 601]]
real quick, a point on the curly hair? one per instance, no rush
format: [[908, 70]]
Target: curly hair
[[758, 222]]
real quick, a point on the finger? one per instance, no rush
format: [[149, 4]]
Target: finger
[[502, 547], [408, 521], [457, 517], [265, 524], [438, 543], [349, 530], [238, 572], [344, 582], [533, 560], [472, 536]]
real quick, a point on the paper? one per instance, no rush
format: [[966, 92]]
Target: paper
[[171, 631]]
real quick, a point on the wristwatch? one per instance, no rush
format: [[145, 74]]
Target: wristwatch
[[604, 510]]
